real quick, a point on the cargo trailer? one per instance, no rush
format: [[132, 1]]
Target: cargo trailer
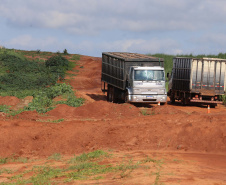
[[197, 80], [132, 77]]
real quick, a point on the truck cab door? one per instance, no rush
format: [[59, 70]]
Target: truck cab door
[[130, 78]]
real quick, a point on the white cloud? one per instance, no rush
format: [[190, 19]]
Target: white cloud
[[93, 16], [134, 45], [209, 43], [87, 46], [92, 26], [27, 41]]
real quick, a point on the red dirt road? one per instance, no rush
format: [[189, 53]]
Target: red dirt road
[[172, 132]]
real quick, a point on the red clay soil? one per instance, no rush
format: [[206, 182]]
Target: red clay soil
[[9, 100], [102, 125]]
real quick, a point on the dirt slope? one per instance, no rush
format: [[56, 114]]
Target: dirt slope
[[102, 125]]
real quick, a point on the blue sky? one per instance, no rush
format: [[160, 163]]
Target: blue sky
[[90, 27]]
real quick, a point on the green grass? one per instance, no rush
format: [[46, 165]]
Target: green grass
[[5, 170], [51, 121], [88, 156], [75, 57], [3, 160], [56, 157], [13, 159], [146, 112], [43, 100], [93, 166]]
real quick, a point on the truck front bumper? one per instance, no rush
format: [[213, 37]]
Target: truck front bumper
[[147, 98]]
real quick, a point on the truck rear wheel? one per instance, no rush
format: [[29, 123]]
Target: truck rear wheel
[[213, 105], [110, 93], [172, 99]]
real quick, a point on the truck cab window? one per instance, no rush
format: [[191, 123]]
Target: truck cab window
[[148, 75]]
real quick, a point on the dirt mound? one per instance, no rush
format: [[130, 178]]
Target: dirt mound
[[166, 110], [96, 110], [29, 115], [9, 100]]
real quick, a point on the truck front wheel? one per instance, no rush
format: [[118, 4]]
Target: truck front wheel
[[126, 97]]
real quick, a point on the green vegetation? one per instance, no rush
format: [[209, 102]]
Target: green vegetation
[[21, 77], [13, 159], [4, 108], [65, 52], [51, 121], [55, 157], [75, 57], [43, 99], [94, 166], [89, 156], [147, 112]]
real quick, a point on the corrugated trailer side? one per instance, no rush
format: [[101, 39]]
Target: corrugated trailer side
[[198, 80], [181, 74], [208, 76], [113, 71]]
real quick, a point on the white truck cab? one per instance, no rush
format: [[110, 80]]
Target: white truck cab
[[146, 84]]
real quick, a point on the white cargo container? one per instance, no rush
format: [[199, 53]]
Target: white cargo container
[[197, 80]]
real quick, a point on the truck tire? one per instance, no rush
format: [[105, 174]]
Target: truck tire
[[126, 97], [172, 99], [110, 93], [114, 95], [213, 105], [183, 101]]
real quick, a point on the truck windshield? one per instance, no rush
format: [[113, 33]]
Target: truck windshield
[[148, 75]]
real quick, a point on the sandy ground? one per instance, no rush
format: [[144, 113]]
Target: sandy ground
[[191, 142]]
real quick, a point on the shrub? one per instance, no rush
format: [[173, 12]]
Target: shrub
[[43, 102], [57, 61], [58, 64], [19, 74], [65, 52]]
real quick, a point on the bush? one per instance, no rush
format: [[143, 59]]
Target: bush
[[58, 64], [65, 52], [18, 74], [43, 102], [57, 61]]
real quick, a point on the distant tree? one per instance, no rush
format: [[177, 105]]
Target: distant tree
[[65, 52]]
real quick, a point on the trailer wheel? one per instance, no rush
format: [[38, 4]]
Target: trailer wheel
[[213, 105], [114, 95], [183, 101], [110, 94], [172, 99]]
